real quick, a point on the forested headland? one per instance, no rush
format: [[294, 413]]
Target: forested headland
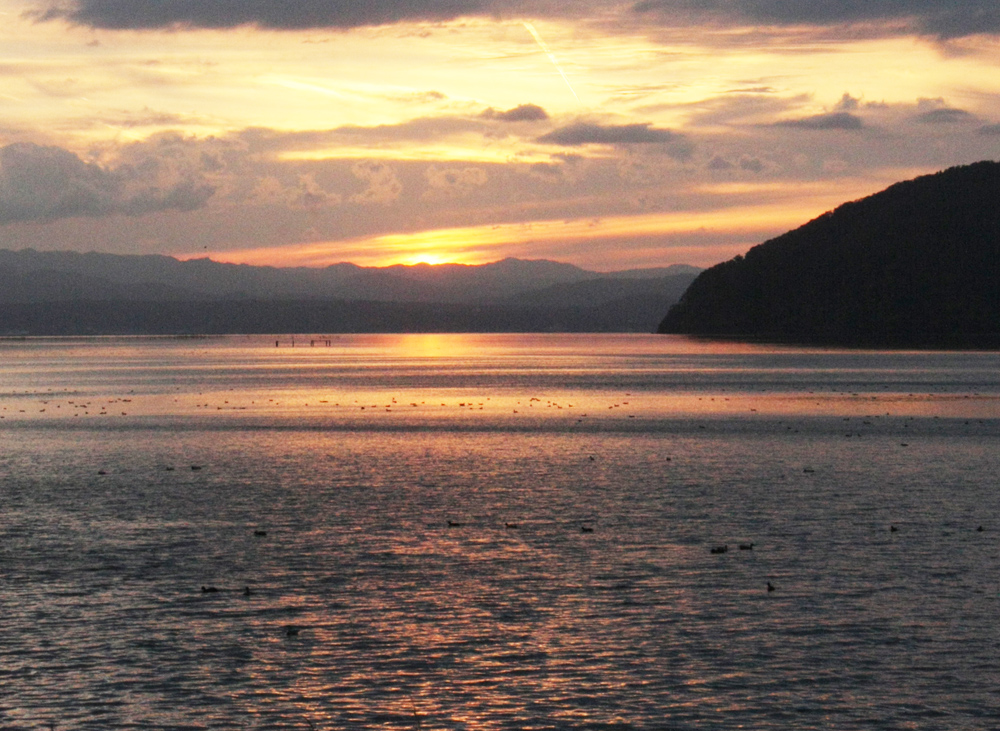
[[916, 265]]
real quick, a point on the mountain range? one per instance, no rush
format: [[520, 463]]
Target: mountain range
[[66, 292]]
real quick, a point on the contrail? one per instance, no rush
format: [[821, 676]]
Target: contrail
[[552, 57]]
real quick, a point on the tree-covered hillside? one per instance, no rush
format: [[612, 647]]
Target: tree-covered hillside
[[915, 265]]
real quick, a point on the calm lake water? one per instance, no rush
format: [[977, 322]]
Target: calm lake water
[[496, 532]]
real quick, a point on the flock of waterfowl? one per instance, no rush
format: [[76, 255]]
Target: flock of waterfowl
[[290, 630], [724, 548], [47, 404]]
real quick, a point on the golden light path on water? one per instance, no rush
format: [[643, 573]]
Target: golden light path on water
[[384, 379]]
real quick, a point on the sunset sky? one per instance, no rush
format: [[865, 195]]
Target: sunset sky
[[606, 134]]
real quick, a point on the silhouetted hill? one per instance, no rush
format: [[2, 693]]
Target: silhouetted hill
[[35, 276], [187, 317], [66, 293], [610, 289], [915, 265]]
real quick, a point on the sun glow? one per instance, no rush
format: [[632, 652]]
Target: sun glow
[[425, 258], [486, 243], [470, 150]]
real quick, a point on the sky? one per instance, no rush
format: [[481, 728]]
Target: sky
[[611, 135]]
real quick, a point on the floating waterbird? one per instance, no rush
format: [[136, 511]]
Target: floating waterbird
[[208, 590], [893, 529], [454, 524], [260, 533], [720, 549], [770, 586], [746, 546], [586, 529]]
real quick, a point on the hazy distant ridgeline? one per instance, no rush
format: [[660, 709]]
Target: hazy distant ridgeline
[[52, 293], [915, 265]]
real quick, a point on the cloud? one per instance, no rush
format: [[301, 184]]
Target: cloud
[[149, 118], [946, 115], [275, 14], [848, 103], [453, 182], [940, 18], [522, 113], [422, 129], [943, 19], [744, 108], [45, 183], [833, 120], [583, 133], [383, 186], [990, 130], [719, 163], [304, 194]]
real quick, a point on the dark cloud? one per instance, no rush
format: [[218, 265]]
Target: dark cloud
[[584, 133], [834, 120], [848, 103], [941, 18], [39, 183], [748, 164], [719, 163], [521, 113], [946, 115], [546, 170], [277, 14], [990, 129]]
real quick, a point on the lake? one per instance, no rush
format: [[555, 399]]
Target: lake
[[496, 532]]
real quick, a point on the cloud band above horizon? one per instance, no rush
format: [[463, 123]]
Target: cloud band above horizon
[[943, 19]]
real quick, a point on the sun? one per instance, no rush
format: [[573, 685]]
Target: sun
[[431, 259]]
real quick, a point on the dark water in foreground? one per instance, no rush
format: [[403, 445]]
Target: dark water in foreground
[[589, 478]]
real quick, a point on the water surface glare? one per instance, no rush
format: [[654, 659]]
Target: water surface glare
[[496, 532]]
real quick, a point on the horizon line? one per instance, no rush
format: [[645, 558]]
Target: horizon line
[[412, 265]]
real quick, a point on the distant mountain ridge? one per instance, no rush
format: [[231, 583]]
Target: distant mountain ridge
[[917, 264], [30, 275], [67, 285]]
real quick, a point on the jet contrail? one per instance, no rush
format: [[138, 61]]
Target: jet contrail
[[552, 57]]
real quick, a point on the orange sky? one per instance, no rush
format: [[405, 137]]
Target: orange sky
[[311, 132]]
